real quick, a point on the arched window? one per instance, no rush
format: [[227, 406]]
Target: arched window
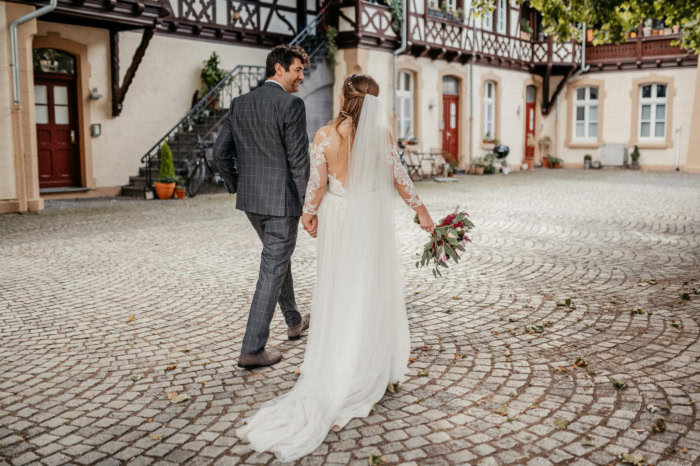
[[405, 102], [652, 112], [489, 110]]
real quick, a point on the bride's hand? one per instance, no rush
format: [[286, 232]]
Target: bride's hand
[[426, 223], [310, 224]]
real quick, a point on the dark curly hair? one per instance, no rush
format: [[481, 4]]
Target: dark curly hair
[[284, 55]]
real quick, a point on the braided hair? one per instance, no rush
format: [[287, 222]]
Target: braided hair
[[355, 88]]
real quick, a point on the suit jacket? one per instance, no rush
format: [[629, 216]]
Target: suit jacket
[[262, 151]]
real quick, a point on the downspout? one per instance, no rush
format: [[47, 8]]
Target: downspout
[[470, 23], [677, 149], [13, 39], [583, 67], [402, 48]]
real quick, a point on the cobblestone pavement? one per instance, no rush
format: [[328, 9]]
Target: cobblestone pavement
[[107, 307]]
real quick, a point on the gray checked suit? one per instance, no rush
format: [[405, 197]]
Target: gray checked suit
[[262, 151]]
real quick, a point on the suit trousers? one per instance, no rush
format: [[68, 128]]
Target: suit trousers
[[275, 283]]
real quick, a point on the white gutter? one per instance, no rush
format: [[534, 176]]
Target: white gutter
[[584, 67], [677, 149], [402, 48], [13, 39]]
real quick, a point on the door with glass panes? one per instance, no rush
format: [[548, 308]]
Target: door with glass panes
[[56, 120]]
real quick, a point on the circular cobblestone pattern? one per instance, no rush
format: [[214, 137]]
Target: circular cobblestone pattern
[[569, 335]]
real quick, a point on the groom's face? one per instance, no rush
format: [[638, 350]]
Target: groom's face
[[292, 78]]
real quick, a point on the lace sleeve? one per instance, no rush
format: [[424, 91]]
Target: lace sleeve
[[318, 177], [402, 181]]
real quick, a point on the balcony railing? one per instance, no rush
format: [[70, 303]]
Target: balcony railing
[[444, 37], [640, 52]]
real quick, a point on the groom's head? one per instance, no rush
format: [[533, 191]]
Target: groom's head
[[285, 64]]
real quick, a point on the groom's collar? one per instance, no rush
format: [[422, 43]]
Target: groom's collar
[[275, 82]]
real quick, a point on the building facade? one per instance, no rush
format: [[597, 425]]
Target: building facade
[[103, 83]]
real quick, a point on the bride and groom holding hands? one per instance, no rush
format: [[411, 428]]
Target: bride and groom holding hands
[[342, 190]]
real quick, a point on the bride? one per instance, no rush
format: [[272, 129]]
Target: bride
[[358, 338]]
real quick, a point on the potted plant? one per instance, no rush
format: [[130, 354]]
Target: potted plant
[[166, 180], [460, 14], [635, 158], [587, 161], [589, 35], [545, 143], [180, 187], [646, 30], [676, 28], [211, 75], [478, 166], [553, 161]]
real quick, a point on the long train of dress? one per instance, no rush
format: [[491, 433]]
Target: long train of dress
[[358, 339]]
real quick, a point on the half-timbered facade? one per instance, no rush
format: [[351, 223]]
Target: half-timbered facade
[[464, 82]]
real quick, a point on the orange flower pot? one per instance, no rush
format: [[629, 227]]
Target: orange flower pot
[[180, 193], [164, 190]]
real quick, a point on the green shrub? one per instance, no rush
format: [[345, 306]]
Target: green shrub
[[167, 168], [587, 157], [635, 153]]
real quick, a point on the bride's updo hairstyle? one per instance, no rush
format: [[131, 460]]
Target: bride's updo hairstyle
[[355, 88]]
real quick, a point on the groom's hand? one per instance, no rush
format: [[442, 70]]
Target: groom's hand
[[310, 224]]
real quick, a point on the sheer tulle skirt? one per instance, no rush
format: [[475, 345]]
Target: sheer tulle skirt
[[358, 339]]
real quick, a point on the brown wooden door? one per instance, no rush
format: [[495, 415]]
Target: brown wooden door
[[56, 130], [530, 97], [450, 132]]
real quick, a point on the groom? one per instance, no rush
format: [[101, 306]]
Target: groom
[[262, 152]]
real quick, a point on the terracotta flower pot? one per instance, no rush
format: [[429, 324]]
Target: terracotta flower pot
[[180, 193], [164, 190], [478, 170]]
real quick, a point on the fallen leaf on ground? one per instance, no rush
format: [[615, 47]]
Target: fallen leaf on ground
[[171, 367], [411, 359], [560, 423], [652, 408], [651, 281], [135, 378], [375, 459], [685, 297], [503, 410], [589, 441], [659, 425], [150, 419], [131, 318], [423, 373], [619, 385], [297, 372], [456, 298], [636, 460], [393, 387], [685, 450], [186, 350], [175, 398], [157, 437]]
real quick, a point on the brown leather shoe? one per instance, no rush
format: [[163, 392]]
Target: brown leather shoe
[[294, 333], [266, 358]]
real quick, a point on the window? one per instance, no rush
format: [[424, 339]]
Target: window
[[586, 113], [652, 112], [489, 110], [404, 95], [501, 17]]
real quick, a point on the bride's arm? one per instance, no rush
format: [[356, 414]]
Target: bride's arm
[[318, 178], [407, 191]]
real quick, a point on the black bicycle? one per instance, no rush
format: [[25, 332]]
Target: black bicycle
[[202, 170]]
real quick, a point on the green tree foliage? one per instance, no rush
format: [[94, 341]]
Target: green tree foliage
[[612, 18], [167, 168]]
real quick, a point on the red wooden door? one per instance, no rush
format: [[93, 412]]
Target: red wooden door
[[530, 94], [56, 130], [450, 132]]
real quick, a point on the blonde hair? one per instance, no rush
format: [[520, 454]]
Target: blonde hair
[[355, 88]]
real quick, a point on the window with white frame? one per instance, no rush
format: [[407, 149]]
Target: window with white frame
[[487, 21], [489, 110], [404, 95], [501, 17], [652, 111], [586, 113]]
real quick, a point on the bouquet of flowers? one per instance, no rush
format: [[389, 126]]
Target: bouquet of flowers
[[449, 237]]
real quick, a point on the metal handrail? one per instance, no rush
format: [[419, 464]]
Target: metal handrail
[[240, 71]]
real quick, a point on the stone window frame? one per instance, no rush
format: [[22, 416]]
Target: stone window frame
[[407, 66], [586, 103], [635, 114], [497, 105], [401, 96], [570, 141]]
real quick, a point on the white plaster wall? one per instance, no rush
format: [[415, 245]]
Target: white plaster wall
[[158, 98], [7, 164], [617, 119]]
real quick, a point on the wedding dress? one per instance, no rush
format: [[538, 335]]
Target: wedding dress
[[358, 338]]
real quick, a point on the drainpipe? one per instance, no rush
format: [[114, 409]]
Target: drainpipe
[[583, 67], [13, 38], [677, 149], [402, 48]]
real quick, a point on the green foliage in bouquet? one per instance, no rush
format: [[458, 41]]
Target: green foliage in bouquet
[[449, 237], [167, 168]]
